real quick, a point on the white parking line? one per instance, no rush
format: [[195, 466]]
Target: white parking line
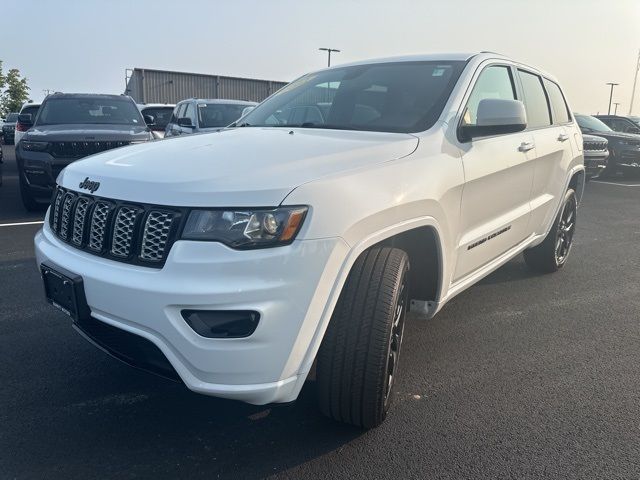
[[17, 224], [618, 184]]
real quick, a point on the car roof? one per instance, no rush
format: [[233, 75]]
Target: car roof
[[32, 104], [155, 105], [454, 56], [219, 100], [87, 95]]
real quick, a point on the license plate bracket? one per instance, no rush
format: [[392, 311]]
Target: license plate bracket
[[65, 291]]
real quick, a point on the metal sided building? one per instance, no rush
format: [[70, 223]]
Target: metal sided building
[[161, 86]]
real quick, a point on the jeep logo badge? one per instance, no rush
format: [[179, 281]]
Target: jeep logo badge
[[89, 185]]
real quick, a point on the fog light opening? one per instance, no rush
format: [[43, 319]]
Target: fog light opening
[[222, 323]]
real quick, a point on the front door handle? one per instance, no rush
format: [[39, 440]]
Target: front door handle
[[526, 146], [563, 137]]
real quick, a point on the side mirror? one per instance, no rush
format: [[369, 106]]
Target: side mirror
[[246, 110], [633, 130], [185, 122], [496, 117], [149, 120], [25, 118]]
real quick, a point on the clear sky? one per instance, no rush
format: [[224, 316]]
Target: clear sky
[[85, 45]]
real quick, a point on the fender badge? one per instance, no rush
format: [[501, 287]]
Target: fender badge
[[89, 185]]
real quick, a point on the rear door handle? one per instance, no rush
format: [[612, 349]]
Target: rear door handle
[[526, 146], [563, 137]]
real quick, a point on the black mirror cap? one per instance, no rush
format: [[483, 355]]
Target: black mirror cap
[[469, 132], [25, 118], [185, 122], [149, 120]]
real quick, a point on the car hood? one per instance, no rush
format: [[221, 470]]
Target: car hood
[[240, 167], [62, 133], [616, 135]]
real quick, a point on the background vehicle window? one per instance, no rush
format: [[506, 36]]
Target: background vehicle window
[[218, 114], [160, 115], [190, 113], [493, 82], [535, 100], [558, 104], [30, 110], [180, 111], [89, 110]]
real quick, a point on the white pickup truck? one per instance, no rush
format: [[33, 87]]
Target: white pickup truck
[[234, 261]]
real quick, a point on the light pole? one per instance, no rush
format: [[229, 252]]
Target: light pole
[[615, 111], [611, 96], [329, 50]]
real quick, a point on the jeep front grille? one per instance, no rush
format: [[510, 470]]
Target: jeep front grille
[[82, 149], [133, 233]]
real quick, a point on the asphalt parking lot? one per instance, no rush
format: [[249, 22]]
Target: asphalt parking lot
[[520, 376]]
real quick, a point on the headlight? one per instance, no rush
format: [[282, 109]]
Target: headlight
[[245, 228], [34, 146]]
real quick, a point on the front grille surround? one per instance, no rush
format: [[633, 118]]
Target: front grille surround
[[595, 146], [134, 233]]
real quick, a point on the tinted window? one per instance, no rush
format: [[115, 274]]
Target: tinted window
[[190, 113], [621, 125], [558, 104], [391, 97], [535, 100], [591, 124], [219, 114], [493, 82], [12, 117], [89, 110], [161, 115]]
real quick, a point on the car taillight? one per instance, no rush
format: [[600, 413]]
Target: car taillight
[[22, 127]]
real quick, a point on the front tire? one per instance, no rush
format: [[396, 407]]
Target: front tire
[[358, 359], [551, 255]]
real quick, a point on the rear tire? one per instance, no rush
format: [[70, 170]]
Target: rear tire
[[358, 359], [552, 253]]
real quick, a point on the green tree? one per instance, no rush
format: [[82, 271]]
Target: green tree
[[15, 91]]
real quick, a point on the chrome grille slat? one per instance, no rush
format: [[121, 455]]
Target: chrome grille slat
[[56, 209], [65, 216], [122, 239], [155, 235], [99, 225], [82, 206]]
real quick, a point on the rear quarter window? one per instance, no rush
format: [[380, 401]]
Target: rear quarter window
[[558, 104]]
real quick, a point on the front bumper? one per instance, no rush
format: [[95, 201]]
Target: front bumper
[[289, 286], [39, 171], [595, 161]]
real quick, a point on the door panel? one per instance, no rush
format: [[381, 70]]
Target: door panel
[[553, 155], [495, 206]]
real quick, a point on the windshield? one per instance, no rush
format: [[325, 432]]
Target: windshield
[[30, 110], [592, 124], [88, 110], [161, 116], [219, 114], [13, 117], [384, 97]]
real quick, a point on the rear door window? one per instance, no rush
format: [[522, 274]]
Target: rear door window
[[535, 100]]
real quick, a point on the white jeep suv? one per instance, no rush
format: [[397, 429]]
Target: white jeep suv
[[234, 261]]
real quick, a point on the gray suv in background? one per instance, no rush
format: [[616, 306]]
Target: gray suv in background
[[70, 126], [197, 115]]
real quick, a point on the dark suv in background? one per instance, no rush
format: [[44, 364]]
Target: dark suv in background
[[9, 128], [619, 124], [70, 126], [624, 148]]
